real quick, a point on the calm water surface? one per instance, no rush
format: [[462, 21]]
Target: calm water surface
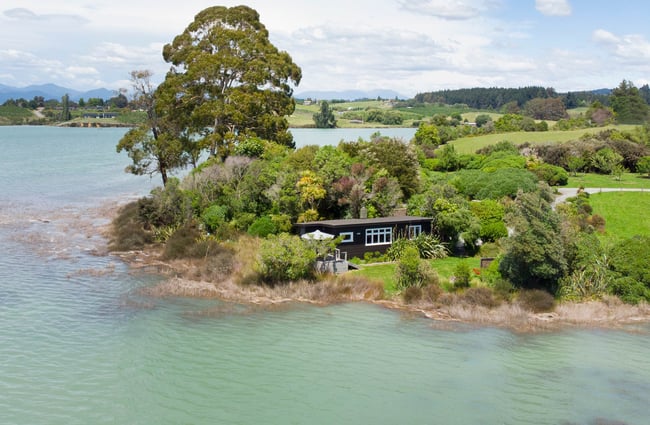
[[78, 345]]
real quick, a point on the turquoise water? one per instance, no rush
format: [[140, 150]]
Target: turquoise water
[[79, 345]]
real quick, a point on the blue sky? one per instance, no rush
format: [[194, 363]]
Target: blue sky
[[409, 46]]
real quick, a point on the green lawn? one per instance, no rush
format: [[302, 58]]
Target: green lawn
[[472, 144], [628, 180], [625, 213], [386, 271]]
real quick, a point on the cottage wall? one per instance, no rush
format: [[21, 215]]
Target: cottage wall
[[368, 235]]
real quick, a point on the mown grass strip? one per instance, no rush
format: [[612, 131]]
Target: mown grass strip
[[627, 180], [385, 272], [625, 213]]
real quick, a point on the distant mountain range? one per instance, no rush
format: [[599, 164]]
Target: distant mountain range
[[51, 91], [349, 95]]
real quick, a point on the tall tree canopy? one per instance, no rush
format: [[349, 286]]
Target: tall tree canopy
[[154, 146], [227, 80], [628, 104], [325, 118]]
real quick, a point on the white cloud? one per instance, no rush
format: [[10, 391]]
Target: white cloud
[[23, 14], [129, 57], [553, 7], [632, 48], [447, 9], [82, 71], [405, 45]]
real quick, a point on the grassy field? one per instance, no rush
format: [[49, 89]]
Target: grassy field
[[386, 271], [472, 144], [15, 115], [625, 213], [303, 115], [628, 180], [577, 111], [429, 110]]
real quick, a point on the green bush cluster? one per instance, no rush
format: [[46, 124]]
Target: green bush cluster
[[285, 258], [629, 264], [412, 271]]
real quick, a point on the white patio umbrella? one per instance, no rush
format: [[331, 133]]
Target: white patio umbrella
[[317, 235]]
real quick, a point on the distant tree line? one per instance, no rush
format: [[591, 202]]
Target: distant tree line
[[118, 101], [498, 98], [486, 98]]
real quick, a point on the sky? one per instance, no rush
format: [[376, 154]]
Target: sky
[[409, 46]]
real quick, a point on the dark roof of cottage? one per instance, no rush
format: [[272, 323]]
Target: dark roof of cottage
[[365, 221]]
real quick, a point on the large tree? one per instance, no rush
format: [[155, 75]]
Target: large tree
[[534, 256], [325, 118], [228, 81], [628, 104]]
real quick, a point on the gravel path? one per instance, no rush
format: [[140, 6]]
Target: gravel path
[[565, 193]]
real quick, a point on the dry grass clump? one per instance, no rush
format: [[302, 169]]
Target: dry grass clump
[[428, 294], [536, 300], [177, 287], [610, 310], [215, 267], [412, 294], [245, 252], [507, 315], [128, 232], [431, 293], [480, 296], [333, 289]]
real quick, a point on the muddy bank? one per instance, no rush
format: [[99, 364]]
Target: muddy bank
[[609, 313]]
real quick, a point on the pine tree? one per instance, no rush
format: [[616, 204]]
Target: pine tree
[[65, 114], [325, 118]]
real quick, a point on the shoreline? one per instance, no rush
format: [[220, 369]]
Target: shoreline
[[609, 313]]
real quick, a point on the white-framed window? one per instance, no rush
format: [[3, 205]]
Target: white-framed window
[[414, 230], [347, 237], [379, 236]]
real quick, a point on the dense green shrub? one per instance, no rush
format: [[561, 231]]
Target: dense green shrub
[[551, 174], [166, 206], [482, 119], [214, 217], [251, 147], [262, 227], [462, 275], [629, 263], [503, 159], [503, 182], [284, 258], [491, 215], [411, 271]]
